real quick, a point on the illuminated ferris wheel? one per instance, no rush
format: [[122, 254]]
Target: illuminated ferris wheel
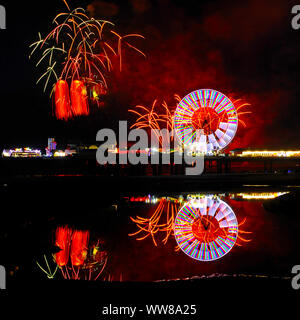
[[206, 119], [206, 228]]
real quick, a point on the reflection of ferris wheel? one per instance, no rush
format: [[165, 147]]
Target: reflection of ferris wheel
[[206, 228], [207, 118]]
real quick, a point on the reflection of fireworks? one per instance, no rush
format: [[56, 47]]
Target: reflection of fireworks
[[203, 222], [47, 270], [151, 226], [85, 262], [240, 239], [78, 259], [79, 48], [206, 229]]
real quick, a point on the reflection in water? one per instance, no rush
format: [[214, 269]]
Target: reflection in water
[[205, 227], [215, 224], [78, 257], [258, 196], [47, 269], [161, 221]]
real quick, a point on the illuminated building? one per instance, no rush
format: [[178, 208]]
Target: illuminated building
[[145, 199], [51, 144], [59, 153], [6, 153], [70, 152], [22, 153], [265, 153]]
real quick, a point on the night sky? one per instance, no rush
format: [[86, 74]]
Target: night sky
[[245, 49]]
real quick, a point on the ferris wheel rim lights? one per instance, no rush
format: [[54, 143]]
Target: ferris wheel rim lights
[[188, 242], [207, 98]]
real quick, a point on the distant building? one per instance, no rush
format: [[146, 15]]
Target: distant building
[[264, 153], [22, 153], [51, 144]]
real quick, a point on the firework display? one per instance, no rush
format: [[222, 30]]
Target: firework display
[[153, 118], [62, 100], [156, 118], [200, 128], [79, 98], [206, 228], [206, 117], [79, 53]]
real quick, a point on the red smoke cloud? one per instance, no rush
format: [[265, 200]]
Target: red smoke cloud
[[224, 48]]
